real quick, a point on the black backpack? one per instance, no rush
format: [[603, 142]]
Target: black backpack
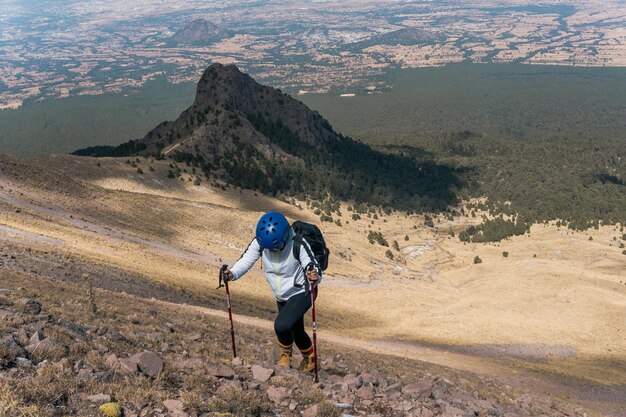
[[314, 238]]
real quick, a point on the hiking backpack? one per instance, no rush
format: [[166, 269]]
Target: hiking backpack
[[314, 238]]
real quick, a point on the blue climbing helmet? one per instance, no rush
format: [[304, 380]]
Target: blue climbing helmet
[[272, 230]]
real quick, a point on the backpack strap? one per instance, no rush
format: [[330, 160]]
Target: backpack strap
[[297, 244]]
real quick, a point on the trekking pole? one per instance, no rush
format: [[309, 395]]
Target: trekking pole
[[314, 330], [230, 312]]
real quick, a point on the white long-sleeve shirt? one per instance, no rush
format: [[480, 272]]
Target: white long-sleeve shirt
[[284, 273]]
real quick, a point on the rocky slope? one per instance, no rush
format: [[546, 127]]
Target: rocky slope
[[68, 349]]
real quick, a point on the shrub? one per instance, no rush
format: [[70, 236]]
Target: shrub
[[377, 237], [406, 238], [389, 254], [505, 254], [355, 216], [477, 260], [139, 171], [396, 246]]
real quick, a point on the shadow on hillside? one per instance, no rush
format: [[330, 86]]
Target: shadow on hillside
[[201, 294]]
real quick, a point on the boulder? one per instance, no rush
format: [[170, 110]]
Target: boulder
[[310, 412], [440, 389], [276, 394], [261, 374], [47, 349], [149, 363], [175, 408], [36, 338], [221, 371], [30, 306], [353, 381], [416, 389], [127, 366], [112, 361], [365, 393]]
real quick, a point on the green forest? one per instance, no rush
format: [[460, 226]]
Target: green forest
[[540, 143], [66, 124]]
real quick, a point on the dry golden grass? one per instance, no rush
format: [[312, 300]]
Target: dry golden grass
[[556, 294]]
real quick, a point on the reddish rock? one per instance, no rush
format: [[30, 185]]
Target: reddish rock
[[276, 394], [310, 412], [127, 366], [175, 408], [365, 393], [261, 374]]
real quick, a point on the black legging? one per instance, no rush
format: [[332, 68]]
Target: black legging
[[289, 325]]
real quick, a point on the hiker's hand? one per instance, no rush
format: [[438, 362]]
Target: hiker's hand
[[228, 276], [312, 276]]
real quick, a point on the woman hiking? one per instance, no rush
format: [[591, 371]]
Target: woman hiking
[[274, 244]]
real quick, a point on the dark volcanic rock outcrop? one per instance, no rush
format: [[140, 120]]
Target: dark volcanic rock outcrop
[[254, 136]]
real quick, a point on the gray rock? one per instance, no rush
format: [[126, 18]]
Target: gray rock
[[149, 363], [416, 389], [221, 371], [191, 363], [440, 389], [98, 398], [261, 374], [30, 306], [36, 338], [47, 349]]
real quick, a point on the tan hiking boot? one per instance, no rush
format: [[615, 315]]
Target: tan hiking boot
[[284, 359], [308, 363]]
